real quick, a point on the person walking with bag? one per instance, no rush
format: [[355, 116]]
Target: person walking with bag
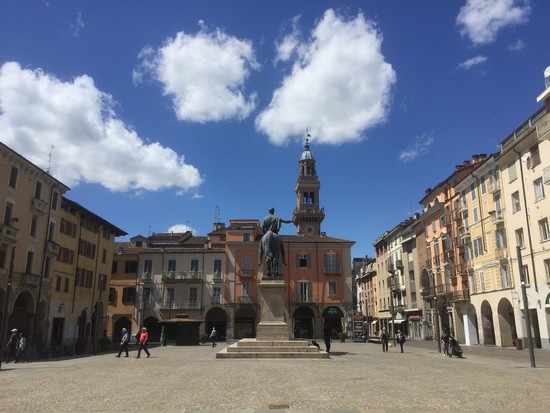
[[213, 337], [400, 339], [124, 342]]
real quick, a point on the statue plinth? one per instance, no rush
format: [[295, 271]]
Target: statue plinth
[[272, 325]]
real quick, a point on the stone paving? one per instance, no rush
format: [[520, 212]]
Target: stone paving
[[358, 377]]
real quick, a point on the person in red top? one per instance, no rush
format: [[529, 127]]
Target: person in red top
[[143, 339]]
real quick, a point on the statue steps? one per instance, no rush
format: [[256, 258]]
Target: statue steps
[[253, 348]]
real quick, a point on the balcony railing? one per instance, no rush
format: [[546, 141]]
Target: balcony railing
[[52, 249], [460, 295], [181, 275], [9, 233], [493, 185], [246, 272], [147, 275], [464, 232], [39, 206], [457, 215], [244, 299], [332, 269], [304, 299], [429, 263], [498, 216], [399, 263], [32, 280], [501, 253], [180, 305]]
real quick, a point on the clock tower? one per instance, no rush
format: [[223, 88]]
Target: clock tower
[[307, 215]]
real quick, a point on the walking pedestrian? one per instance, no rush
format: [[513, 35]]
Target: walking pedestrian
[[326, 336], [400, 339], [213, 337], [22, 348], [12, 345], [384, 339], [143, 339], [124, 342]]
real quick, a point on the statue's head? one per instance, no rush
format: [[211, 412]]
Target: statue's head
[[271, 210]]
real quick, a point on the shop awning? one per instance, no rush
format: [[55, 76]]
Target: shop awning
[[374, 322], [396, 321]]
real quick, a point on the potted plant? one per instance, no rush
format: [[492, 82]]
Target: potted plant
[[203, 338], [342, 336]]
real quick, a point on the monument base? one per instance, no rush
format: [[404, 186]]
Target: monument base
[[272, 331]]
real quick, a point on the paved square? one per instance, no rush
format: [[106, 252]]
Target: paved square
[[358, 377]]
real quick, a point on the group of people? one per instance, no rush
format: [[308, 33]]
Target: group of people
[[385, 339], [142, 339], [17, 345]]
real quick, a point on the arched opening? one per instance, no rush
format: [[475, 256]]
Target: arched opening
[[153, 328], [333, 317], [22, 314], [487, 324], [216, 317], [122, 322], [245, 323], [506, 323], [303, 318]]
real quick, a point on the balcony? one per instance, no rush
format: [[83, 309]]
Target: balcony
[[459, 242], [399, 263], [543, 127], [181, 275], [460, 295], [443, 289], [428, 263], [52, 249], [333, 269], [147, 276], [304, 299], [462, 205], [246, 273], [39, 206], [448, 255], [501, 254], [493, 186], [457, 215], [8, 233], [32, 280], [180, 305], [244, 299], [464, 232], [399, 308], [497, 217]]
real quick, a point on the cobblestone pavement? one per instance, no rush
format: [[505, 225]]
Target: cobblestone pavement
[[358, 377]]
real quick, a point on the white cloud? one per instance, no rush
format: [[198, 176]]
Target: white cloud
[[420, 146], [90, 144], [203, 73], [289, 43], [481, 20], [77, 25], [474, 61], [181, 228], [517, 46], [339, 85]]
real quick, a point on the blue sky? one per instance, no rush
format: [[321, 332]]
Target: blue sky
[[171, 115]]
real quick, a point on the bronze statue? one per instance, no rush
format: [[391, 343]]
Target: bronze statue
[[271, 246]]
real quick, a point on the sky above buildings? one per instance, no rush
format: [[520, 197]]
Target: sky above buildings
[[168, 116]]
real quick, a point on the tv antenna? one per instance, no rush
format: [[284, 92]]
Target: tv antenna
[[217, 213]]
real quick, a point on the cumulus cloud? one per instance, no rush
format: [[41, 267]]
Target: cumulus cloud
[[420, 147], [474, 61], [517, 46], [203, 74], [481, 20], [181, 228], [77, 25], [39, 111], [289, 43], [339, 85]]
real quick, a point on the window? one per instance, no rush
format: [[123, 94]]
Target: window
[[38, 190], [500, 236], [217, 269], [473, 286], [483, 185], [102, 283], [216, 295], [146, 296], [67, 228], [13, 177], [478, 246], [516, 206], [525, 272], [129, 295], [58, 283], [465, 220], [468, 255], [302, 260], [104, 256], [171, 265], [170, 296], [246, 236], [303, 292], [194, 266], [535, 156], [112, 296], [498, 205], [473, 191], [482, 280], [434, 226], [246, 265], [114, 267], [8, 214], [512, 173], [67, 285], [55, 197], [504, 276], [147, 267], [34, 224], [539, 189], [30, 259], [544, 230], [476, 215], [332, 263], [519, 238], [130, 267], [332, 288], [547, 269]]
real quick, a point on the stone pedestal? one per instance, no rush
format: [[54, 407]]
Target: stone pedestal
[[272, 325]]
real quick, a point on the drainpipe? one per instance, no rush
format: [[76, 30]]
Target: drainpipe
[[527, 220]]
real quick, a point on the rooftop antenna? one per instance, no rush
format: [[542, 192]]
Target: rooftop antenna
[[217, 214], [50, 159]]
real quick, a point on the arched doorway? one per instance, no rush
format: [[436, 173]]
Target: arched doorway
[[153, 328], [21, 315], [303, 318], [216, 317], [122, 322], [333, 317], [506, 323], [487, 325], [245, 323]]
